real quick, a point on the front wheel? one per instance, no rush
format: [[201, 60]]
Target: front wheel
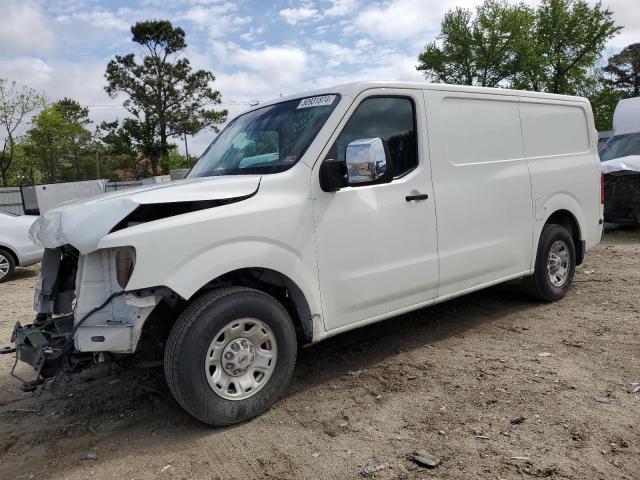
[[230, 355], [555, 264]]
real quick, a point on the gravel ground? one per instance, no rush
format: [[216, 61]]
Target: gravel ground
[[493, 384]]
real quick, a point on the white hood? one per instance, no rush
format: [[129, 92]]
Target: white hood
[[83, 222], [629, 163]]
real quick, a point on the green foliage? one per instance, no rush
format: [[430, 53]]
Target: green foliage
[[624, 69], [15, 104], [551, 49], [59, 144], [164, 95], [481, 49], [566, 41]]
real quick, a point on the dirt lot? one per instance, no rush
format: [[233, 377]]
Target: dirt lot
[[447, 379]]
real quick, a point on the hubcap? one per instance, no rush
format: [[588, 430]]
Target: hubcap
[[558, 263], [4, 266], [241, 358]]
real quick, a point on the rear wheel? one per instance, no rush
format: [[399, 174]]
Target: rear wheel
[[7, 265], [230, 355], [555, 264]]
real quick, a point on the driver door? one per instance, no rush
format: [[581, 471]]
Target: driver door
[[377, 247]]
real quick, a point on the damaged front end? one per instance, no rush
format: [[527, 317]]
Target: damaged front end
[[622, 197], [82, 311]]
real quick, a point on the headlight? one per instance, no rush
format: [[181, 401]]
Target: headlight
[[125, 259]]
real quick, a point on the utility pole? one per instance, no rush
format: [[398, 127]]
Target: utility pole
[[186, 148]]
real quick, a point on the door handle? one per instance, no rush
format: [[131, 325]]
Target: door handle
[[420, 196]]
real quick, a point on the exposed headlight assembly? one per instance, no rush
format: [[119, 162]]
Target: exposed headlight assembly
[[125, 261]]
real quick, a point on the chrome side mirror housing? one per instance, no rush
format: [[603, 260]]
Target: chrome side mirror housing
[[367, 161]]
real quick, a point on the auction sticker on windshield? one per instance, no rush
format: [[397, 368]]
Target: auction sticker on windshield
[[316, 101]]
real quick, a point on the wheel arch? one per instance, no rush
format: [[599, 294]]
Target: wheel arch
[[568, 220], [276, 284], [10, 251]]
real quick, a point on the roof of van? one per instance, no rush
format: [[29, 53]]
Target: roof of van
[[355, 88]]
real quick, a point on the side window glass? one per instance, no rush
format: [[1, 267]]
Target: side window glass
[[389, 118]]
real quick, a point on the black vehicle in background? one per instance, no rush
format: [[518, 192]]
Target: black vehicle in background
[[620, 157]]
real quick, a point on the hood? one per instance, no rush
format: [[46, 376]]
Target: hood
[[83, 222], [630, 163]]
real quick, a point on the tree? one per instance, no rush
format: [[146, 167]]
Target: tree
[[566, 41], [552, 49], [79, 137], [15, 105], [603, 98], [165, 97], [624, 69], [481, 49], [59, 141]]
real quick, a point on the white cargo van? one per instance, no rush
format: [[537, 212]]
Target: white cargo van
[[313, 215]]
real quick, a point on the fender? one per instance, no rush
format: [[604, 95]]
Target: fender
[[545, 208]]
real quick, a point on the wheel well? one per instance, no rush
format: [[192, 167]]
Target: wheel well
[[11, 252], [568, 220]]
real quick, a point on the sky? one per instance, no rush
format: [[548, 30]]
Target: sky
[[258, 50]]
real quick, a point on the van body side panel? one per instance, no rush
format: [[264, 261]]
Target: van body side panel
[[482, 188], [560, 146]]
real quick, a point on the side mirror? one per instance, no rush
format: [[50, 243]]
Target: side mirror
[[368, 162]]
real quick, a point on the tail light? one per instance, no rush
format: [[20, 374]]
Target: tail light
[[125, 260], [601, 188]]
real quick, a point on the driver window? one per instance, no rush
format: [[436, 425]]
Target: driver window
[[389, 118]]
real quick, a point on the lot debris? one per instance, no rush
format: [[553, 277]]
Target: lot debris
[[91, 456], [372, 467], [425, 459], [633, 388], [603, 399], [544, 354], [517, 421]]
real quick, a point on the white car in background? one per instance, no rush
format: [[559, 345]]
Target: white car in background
[[16, 248]]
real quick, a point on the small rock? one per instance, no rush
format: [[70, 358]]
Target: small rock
[[372, 467], [91, 456], [442, 432], [633, 388], [315, 455], [517, 421], [425, 459], [544, 354], [603, 399]]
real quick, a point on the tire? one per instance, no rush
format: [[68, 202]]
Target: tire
[[7, 265], [543, 284], [195, 338]]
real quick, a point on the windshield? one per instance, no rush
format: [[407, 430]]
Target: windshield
[[620, 146], [267, 140]]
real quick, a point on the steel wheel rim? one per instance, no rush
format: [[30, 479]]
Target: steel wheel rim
[[241, 358], [558, 263], [4, 266]]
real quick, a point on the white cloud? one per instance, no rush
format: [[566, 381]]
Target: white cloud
[[341, 8], [97, 19], [400, 19], [204, 16], [295, 15], [625, 14], [281, 65], [24, 28]]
